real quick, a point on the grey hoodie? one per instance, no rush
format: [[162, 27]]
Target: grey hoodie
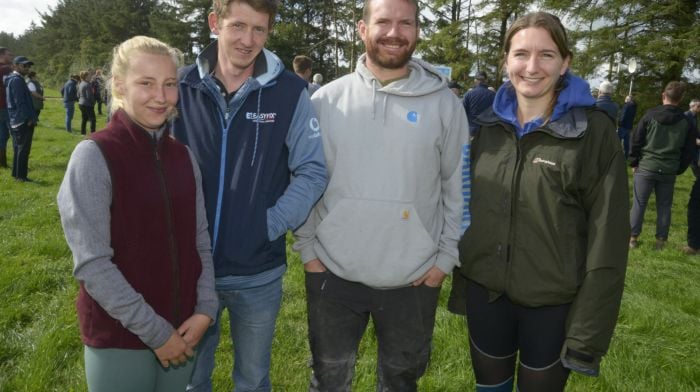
[[396, 203]]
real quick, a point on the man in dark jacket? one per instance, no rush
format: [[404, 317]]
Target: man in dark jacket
[[256, 138], [605, 101], [624, 126], [69, 92], [5, 69], [476, 100], [663, 146], [693, 246], [22, 116]]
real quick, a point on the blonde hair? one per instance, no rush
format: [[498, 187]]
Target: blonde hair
[[124, 52]]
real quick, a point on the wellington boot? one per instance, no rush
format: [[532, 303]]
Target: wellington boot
[[3, 158]]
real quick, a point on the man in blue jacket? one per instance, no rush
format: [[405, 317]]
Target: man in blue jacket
[[69, 92], [476, 100], [252, 128], [20, 109]]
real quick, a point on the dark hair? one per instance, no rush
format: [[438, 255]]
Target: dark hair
[[220, 7], [675, 91], [302, 63], [366, 10], [3, 50]]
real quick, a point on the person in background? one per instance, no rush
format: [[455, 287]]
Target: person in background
[[384, 235], [317, 81], [37, 92], [22, 116], [455, 87], [98, 87], [303, 68], [255, 135], [693, 236], [86, 102], [605, 101], [545, 257], [626, 123], [143, 259], [477, 99], [69, 92], [5, 69], [663, 146]]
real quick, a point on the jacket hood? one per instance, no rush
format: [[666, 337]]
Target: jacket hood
[[423, 79], [268, 66], [576, 93], [668, 114]]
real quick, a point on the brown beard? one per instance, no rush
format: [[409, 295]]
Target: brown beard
[[389, 62]]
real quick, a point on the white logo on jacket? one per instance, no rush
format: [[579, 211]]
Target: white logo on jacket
[[315, 128], [261, 118], [546, 162]]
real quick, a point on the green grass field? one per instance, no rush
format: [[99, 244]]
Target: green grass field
[[655, 347]]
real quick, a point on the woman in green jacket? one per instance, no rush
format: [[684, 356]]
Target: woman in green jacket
[[543, 262]]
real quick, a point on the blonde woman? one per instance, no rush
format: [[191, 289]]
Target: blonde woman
[[133, 215]]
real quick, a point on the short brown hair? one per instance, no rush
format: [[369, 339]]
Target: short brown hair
[[220, 7], [302, 63], [366, 11], [675, 91]]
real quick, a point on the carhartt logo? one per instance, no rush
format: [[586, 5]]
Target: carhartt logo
[[261, 117], [546, 162]]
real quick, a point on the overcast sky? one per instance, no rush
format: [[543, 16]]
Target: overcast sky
[[16, 15]]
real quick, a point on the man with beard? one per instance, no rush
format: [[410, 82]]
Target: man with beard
[[384, 235]]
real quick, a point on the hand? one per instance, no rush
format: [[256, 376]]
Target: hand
[[174, 352], [432, 278], [194, 328], [314, 265]]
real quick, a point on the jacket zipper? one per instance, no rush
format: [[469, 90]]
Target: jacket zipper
[[171, 241], [513, 197]]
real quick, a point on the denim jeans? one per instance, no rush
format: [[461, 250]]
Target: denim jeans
[[252, 316], [339, 311], [4, 128], [70, 110], [662, 185]]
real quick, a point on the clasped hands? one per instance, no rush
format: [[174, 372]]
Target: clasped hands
[[180, 346]]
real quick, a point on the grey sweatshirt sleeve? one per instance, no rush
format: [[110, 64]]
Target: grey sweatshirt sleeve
[[456, 184], [84, 200], [308, 167], [207, 301]]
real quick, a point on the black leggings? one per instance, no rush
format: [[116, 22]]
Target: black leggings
[[501, 332], [88, 113]]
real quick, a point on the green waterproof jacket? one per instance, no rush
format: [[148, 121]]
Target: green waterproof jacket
[[550, 224]]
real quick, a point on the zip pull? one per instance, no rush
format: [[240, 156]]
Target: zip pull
[[154, 142]]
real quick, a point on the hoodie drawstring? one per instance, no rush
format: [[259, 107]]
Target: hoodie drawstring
[[374, 96], [257, 129]]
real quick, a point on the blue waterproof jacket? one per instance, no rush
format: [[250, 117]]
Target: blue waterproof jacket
[[261, 159]]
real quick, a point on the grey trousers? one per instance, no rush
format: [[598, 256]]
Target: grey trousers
[[339, 311], [662, 185]]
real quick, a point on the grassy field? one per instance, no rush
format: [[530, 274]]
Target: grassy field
[[655, 347]]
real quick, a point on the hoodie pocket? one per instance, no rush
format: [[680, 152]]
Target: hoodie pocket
[[383, 243]]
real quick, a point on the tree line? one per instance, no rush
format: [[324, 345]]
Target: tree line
[[467, 35]]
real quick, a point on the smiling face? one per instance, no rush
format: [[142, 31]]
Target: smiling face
[[534, 65], [390, 34], [242, 34], [148, 89]]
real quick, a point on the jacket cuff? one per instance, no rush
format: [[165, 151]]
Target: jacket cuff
[[162, 333], [580, 362], [446, 263], [307, 253], [208, 310]]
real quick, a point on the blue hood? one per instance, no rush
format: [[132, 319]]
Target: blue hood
[[576, 93]]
